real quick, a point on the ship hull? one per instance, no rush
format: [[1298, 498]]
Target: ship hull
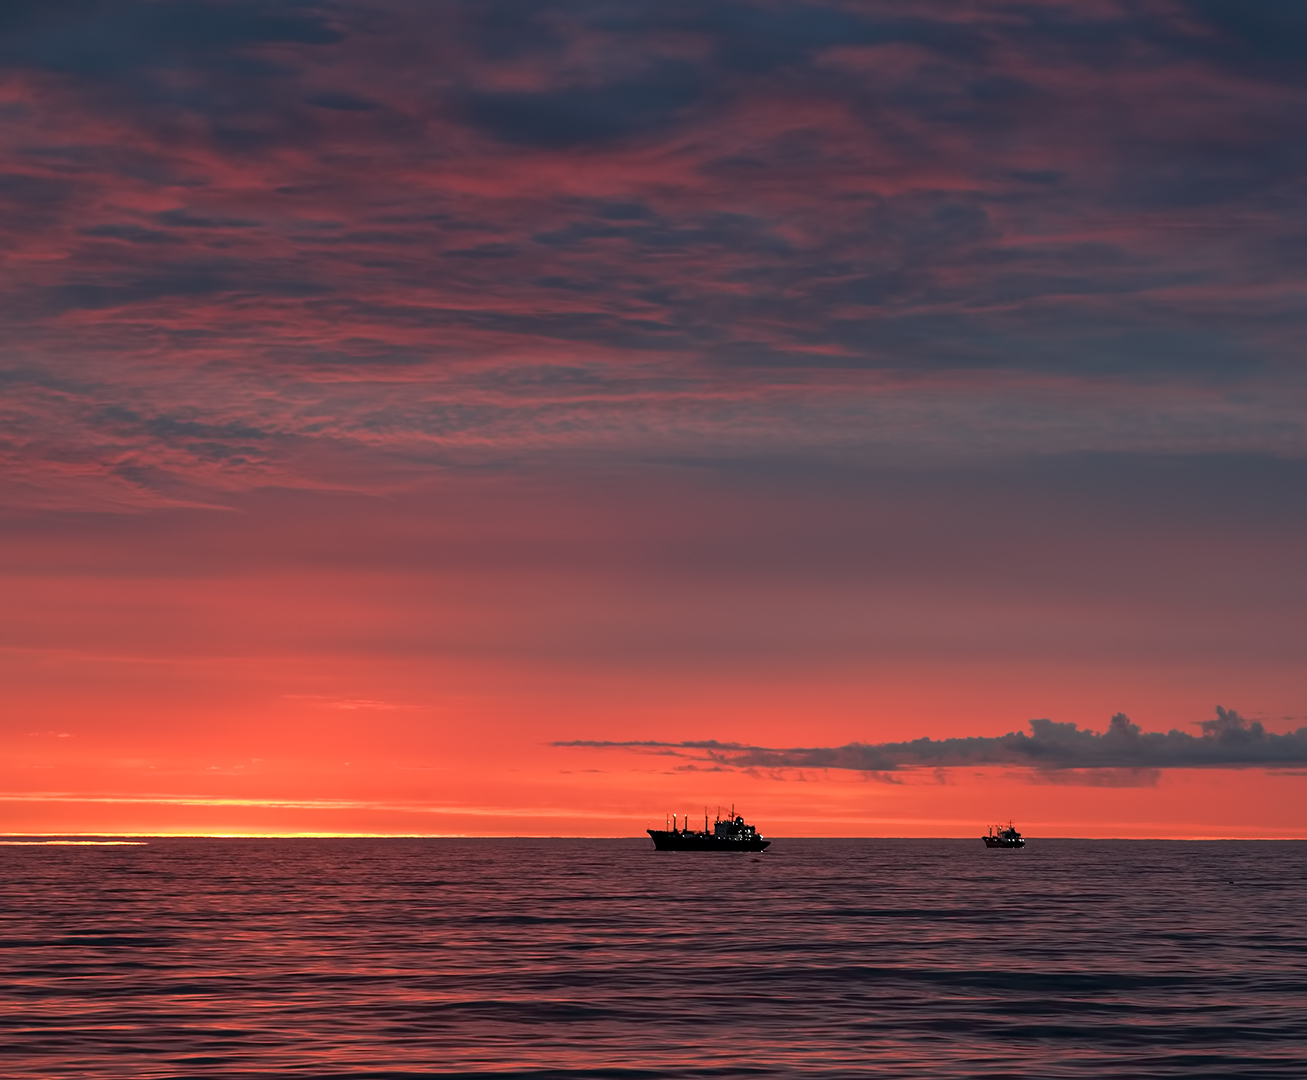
[[994, 841], [669, 840]]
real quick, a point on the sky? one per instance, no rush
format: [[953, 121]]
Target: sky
[[535, 418]]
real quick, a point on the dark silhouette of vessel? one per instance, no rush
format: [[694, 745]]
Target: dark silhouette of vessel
[[1008, 837], [728, 834]]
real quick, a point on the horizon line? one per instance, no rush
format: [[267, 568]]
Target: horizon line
[[109, 837]]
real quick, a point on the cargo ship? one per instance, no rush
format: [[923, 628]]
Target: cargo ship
[[1008, 837], [728, 834]]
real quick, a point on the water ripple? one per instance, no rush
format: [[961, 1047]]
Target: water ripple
[[513, 958]]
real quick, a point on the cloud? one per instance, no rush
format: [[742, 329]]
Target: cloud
[[346, 704], [820, 223], [341, 102], [579, 116], [1228, 741]]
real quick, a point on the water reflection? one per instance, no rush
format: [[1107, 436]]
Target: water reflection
[[407, 958]]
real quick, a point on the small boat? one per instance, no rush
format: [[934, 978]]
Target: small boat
[[728, 834], [999, 837]]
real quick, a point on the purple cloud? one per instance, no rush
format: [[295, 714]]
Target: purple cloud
[[1228, 741]]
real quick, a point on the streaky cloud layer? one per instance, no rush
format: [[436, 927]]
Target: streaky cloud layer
[[244, 239]]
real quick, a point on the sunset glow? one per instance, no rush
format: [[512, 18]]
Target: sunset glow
[[449, 420]]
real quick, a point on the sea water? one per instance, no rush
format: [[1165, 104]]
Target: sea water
[[574, 958]]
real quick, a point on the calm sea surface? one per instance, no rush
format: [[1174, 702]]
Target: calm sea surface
[[552, 958]]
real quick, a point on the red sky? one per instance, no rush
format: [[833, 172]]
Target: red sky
[[390, 394]]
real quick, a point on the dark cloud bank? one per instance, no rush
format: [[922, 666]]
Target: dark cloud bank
[[1228, 741]]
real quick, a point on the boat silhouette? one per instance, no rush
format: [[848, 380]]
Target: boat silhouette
[[728, 834], [1008, 838]]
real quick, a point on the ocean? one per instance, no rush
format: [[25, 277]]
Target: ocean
[[406, 958]]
